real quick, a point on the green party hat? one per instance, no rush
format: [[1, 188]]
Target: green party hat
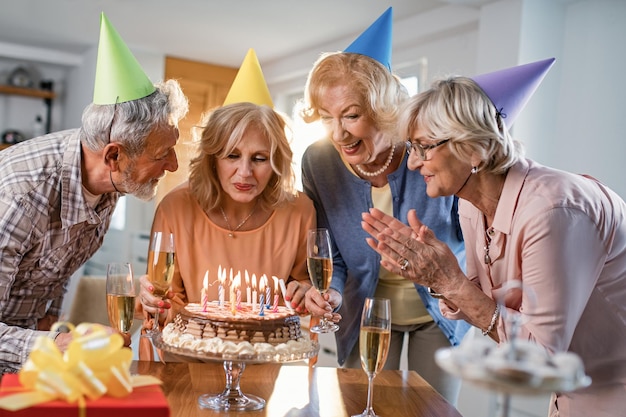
[[249, 85], [119, 77]]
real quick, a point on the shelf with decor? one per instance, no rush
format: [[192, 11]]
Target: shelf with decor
[[46, 94], [27, 92]]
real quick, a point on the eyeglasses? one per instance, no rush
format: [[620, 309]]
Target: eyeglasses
[[421, 150]]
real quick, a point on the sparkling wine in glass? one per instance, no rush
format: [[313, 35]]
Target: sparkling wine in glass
[[120, 293], [161, 264], [374, 341], [320, 265]]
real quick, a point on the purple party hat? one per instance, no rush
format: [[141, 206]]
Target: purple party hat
[[375, 41], [510, 89]]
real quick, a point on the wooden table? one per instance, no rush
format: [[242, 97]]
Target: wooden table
[[297, 390]]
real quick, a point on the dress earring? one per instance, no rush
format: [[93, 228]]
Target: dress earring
[[474, 170]]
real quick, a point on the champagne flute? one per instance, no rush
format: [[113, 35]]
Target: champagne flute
[[120, 292], [320, 265], [160, 266], [374, 340]]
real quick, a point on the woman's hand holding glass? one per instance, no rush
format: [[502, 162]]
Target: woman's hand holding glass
[[320, 265], [296, 295], [150, 303], [155, 286], [323, 305]]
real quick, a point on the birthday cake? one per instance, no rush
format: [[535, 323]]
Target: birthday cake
[[218, 329]]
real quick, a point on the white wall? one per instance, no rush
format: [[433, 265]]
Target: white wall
[[588, 136]]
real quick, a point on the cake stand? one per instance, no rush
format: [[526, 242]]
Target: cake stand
[[232, 398]]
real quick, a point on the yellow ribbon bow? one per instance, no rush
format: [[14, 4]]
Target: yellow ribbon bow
[[95, 363]]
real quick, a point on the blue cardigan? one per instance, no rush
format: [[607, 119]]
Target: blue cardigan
[[340, 197]]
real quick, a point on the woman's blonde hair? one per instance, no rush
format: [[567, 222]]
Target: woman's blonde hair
[[222, 130], [456, 108], [379, 91]]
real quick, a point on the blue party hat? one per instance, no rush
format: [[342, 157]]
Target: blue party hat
[[510, 89], [375, 42]]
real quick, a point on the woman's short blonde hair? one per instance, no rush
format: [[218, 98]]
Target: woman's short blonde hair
[[456, 108], [222, 130], [378, 90]]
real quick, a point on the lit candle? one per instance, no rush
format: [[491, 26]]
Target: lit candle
[[275, 305], [261, 297], [247, 286], [231, 298], [231, 293], [203, 293], [220, 289], [238, 289], [268, 290], [254, 292], [283, 289]]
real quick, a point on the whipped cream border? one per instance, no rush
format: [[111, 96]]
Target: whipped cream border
[[175, 342]]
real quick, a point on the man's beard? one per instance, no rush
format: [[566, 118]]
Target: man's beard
[[144, 192]]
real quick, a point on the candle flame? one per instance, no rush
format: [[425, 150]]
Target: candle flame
[[275, 283], [253, 281], [205, 282], [221, 274]]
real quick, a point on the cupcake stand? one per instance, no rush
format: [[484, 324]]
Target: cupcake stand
[[516, 367]]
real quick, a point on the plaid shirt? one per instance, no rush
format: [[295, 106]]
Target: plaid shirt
[[47, 231]]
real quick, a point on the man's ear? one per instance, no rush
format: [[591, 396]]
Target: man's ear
[[111, 154]]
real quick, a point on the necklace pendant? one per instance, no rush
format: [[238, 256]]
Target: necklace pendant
[[231, 235], [487, 259]]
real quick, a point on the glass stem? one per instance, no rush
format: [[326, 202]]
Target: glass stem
[[369, 411]]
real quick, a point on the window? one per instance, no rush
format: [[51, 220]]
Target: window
[[118, 220]]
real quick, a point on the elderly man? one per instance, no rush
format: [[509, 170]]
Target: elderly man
[[58, 192]]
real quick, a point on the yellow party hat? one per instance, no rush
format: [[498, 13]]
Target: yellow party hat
[[119, 77], [249, 85]]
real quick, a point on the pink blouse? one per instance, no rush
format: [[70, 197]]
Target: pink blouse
[[563, 237]]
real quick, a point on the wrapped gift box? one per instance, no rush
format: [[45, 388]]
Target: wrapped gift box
[[147, 401]]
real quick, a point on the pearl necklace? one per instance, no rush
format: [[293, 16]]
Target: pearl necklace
[[382, 169], [232, 231]]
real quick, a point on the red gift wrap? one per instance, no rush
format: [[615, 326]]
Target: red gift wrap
[[146, 401]]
